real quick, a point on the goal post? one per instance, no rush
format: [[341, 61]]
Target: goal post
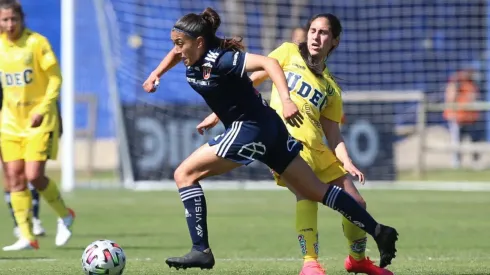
[[121, 135], [68, 94]]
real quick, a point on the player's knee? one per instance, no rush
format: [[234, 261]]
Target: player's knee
[[302, 179], [183, 177], [34, 177], [299, 197], [16, 180], [6, 187]]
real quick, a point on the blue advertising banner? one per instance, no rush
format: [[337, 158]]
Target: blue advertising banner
[[162, 136]]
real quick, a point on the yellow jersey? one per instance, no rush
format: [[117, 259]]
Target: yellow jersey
[[315, 96], [31, 79]]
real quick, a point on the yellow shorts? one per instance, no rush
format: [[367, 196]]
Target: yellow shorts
[[323, 163], [38, 147]]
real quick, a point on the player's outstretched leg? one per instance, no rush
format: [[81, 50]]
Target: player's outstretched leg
[[66, 216], [199, 165], [6, 193], [37, 227], [200, 255], [302, 179], [49, 191], [356, 261], [21, 200], [307, 230]]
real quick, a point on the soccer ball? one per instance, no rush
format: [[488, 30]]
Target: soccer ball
[[103, 257]]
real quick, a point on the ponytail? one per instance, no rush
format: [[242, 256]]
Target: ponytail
[[206, 24]]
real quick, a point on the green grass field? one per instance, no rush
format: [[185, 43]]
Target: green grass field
[[252, 232], [432, 175]]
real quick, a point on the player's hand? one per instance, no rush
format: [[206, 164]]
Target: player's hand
[[151, 83], [208, 123], [352, 169], [291, 113], [36, 120]]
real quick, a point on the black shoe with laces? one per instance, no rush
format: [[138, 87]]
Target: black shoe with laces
[[193, 259], [386, 238]]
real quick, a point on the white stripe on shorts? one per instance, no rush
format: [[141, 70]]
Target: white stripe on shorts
[[228, 140]]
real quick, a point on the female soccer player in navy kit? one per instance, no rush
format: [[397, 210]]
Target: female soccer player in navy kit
[[216, 69]]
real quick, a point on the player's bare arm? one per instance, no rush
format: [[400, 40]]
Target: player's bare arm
[[271, 66], [331, 129], [258, 77], [167, 63], [208, 123]]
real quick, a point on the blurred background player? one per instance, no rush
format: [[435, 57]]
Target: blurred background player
[[31, 81], [37, 227], [298, 35], [463, 89]]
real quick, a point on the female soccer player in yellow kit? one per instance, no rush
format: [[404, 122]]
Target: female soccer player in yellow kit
[[31, 81], [319, 99]]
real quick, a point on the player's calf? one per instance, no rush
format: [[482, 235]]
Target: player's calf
[[193, 259], [300, 176], [37, 229], [9, 205], [35, 201]]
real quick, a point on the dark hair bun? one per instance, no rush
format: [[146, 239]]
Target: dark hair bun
[[212, 18]]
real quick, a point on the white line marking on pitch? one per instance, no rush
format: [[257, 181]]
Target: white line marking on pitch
[[439, 259]]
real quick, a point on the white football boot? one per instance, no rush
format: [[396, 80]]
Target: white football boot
[[22, 244], [37, 228], [64, 231], [17, 232]]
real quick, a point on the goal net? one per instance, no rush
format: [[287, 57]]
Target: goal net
[[393, 55]]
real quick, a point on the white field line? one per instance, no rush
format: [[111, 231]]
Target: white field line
[[270, 185], [245, 259]]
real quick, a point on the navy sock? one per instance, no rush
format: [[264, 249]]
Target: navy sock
[[340, 201], [7, 200], [35, 202], [196, 215]]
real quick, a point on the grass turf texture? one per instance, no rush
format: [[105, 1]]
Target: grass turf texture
[[252, 232], [110, 178]]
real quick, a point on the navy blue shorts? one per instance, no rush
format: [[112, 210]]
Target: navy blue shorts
[[268, 142]]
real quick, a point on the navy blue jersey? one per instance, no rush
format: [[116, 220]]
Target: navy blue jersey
[[220, 78], [254, 131]]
